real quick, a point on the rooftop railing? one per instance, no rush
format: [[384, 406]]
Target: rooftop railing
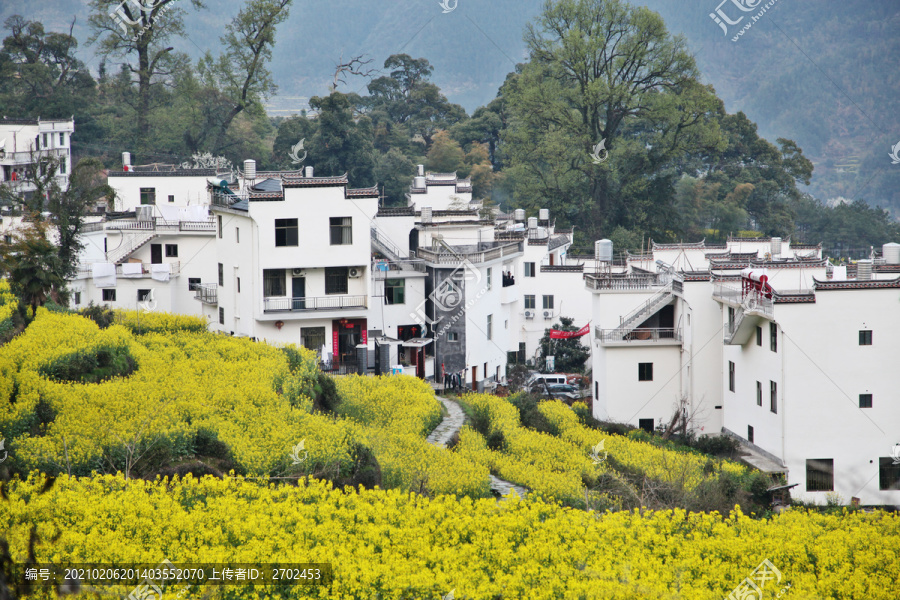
[[207, 293], [648, 335], [274, 305], [443, 256]]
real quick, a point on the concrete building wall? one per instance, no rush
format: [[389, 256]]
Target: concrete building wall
[[183, 188]]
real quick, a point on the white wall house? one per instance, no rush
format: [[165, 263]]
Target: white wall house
[[161, 189], [23, 141]]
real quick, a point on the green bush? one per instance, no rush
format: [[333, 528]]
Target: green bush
[[101, 315], [91, 365]]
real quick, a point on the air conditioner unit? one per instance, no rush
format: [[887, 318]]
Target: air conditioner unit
[[355, 272], [529, 314], [548, 314], [298, 272]]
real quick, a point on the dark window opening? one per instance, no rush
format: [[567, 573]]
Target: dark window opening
[[645, 371], [336, 280], [341, 231], [148, 195], [286, 232], [865, 400], [820, 475], [274, 283], [865, 338], [730, 376], [172, 250], [888, 473], [773, 397], [646, 425], [109, 295], [750, 433]]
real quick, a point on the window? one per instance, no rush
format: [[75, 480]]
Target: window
[[529, 269], [148, 196], [490, 326], [336, 280], [888, 474], [221, 316], [750, 433], [238, 280], [286, 233], [172, 250], [62, 165], [529, 302], [820, 475], [395, 291], [452, 336], [341, 231], [77, 297], [773, 397], [193, 282], [646, 425], [221, 275], [237, 235], [865, 400], [274, 283], [313, 338], [865, 337], [759, 336], [109, 295], [730, 376], [490, 271], [220, 226], [548, 302], [45, 141], [773, 337], [759, 393], [645, 371], [62, 139], [596, 389], [143, 295]]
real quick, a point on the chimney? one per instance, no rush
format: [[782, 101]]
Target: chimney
[[421, 171], [126, 161], [309, 172]]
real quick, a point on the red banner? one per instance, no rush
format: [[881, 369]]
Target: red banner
[[555, 334]]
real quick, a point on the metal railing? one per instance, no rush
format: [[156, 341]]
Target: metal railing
[[385, 245], [630, 282], [135, 242], [336, 302], [445, 257], [385, 269], [207, 293], [86, 270], [562, 268], [157, 224], [651, 335]]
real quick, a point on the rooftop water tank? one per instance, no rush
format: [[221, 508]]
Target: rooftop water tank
[[776, 247], [419, 182], [891, 253], [532, 222], [126, 159], [864, 270], [603, 250], [309, 172], [421, 171], [544, 214], [143, 213], [250, 169], [426, 214], [519, 214]]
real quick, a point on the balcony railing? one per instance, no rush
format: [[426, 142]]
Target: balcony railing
[[86, 271], [650, 335], [747, 301], [629, 282], [207, 293], [157, 224], [445, 257], [388, 269], [274, 305]]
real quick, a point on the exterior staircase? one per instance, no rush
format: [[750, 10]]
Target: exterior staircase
[[633, 320], [385, 247], [129, 246]]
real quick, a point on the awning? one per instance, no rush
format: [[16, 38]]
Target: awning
[[385, 340], [417, 342]]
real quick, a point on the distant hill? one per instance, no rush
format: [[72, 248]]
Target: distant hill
[[822, 74]]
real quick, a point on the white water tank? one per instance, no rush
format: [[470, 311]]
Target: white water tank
[[864, 270], [532, 222], [776, 247], [309, 172], [421, 171], [426, 214], [250, 169], [544, 214], [891, 253], [419, 182], [143, 213], [126, 159], [519, 214], [603, 250]]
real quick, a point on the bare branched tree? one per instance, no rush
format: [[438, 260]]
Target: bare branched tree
[[355, 66]]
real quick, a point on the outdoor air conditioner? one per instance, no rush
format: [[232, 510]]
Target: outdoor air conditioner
[[529, 314], [354, 272], [298, 272], [548, 314]]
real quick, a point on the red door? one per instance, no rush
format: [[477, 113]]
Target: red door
[[474, 379]]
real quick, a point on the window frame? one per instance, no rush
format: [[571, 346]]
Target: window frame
[[340, 228], [532, 299], [865, 400], [109, 295], [490, 283], [332, 275], [171, 250], [773, 337], [286, 232], [221, 275], [147, 193], [171, 198], [221, 316], [143, 295], [274, 283], [545, 305], [865, 337], [750, 434], [530, 269], [453, 336], [489, 331], [645, 371], [193, 283], [391, 288], [822, 474], [759, 336], [888, 474], [773, 397], [759, 394], [731, 376]]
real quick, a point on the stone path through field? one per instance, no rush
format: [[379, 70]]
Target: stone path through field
[[451, 424]]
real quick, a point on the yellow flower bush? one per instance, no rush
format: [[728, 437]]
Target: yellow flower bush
[[143, 322], [390, 544], [8, 301]]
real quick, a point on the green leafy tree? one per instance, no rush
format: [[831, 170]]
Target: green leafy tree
[[446, 155], [33, 266], [394, 171], [570, 354], [342, 142]]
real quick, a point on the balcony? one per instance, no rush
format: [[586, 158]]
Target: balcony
[[750, 302], [207, 293], [157, 224], [632, 281], [276, 305], [474, 253], [639, 337], [391, 269], [85, 271]]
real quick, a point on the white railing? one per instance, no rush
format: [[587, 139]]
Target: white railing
[[445, 257], [86, 270], [313, 303], [208, 293], [651, 335]]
